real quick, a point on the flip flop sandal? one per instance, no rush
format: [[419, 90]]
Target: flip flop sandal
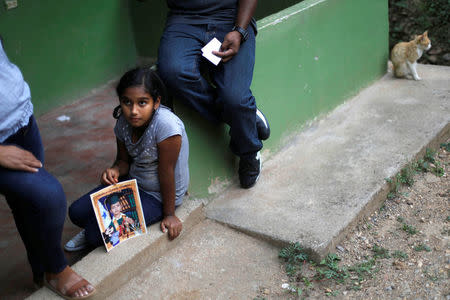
[[70, 291]]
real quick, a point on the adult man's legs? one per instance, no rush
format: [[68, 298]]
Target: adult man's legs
[[179, 66], [233, 80]]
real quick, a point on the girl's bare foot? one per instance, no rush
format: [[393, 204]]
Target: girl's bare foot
[[69, 284]]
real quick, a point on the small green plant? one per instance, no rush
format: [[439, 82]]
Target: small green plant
[[329, 269], [400, 255], [422, 247], [430, 155], [406, 175], [307, 282], [294, 256], [380, 252], [400, 219], [438, 170], [429, 163], [432, 277], [410, 229], [364, 269], [391, 195], [447, 219], [332, 293]]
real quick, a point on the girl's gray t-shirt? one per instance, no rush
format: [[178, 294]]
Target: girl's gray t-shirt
[[144, 153]]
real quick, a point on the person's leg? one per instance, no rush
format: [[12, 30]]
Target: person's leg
[[82, 214], [179, 58], [38, 204], [233, 80], [151, 207]]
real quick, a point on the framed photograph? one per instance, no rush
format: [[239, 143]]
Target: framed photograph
[[119, 213]]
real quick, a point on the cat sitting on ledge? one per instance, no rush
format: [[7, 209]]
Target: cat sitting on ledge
[[404, 56]]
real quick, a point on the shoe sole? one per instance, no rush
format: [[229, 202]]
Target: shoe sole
[[74, 249]]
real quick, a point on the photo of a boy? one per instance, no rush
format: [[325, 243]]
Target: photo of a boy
[[121, 226]]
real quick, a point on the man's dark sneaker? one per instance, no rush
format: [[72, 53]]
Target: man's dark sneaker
[[249, 170], [262, 126]]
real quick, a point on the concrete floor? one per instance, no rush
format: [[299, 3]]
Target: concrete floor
[[402, 102], [77, 165]]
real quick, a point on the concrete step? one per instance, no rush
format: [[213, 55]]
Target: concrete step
[[311, 191], [334, 172], [109, 271], [211, 262]]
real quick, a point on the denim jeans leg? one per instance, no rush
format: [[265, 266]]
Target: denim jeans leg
[[82, 214], [38, 204], [179, 58], [232, 101], [233, 80]]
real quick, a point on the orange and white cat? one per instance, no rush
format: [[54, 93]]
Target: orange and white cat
[[404, 55]]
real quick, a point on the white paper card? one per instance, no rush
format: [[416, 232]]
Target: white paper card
[[213, 45]]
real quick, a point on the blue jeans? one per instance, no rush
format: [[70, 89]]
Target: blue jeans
[[82, 214], [38, 204], [231, 100]]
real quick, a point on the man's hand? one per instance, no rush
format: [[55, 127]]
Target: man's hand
[[173, 224], [110, 176], [15, 158], [230, 46]]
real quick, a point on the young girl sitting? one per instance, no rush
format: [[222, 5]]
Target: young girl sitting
[[152, 147]]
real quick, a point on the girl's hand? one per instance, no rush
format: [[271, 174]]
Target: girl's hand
[[173, 224], [15, 158], [110, 176]]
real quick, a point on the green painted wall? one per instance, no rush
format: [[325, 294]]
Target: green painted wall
[[309, 58], [65, 48], [320, 55]]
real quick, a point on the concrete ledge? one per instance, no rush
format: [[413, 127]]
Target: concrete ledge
[[334, 172], [109, 271]]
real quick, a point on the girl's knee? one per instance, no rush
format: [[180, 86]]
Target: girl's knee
[[80, 211]]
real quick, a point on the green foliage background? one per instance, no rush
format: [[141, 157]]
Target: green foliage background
[[410, 17]]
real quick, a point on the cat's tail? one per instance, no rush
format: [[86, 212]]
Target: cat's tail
[[399, 70]]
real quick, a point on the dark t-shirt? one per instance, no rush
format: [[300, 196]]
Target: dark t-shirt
[[204, 12]]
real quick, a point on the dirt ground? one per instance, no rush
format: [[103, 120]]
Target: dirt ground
[[405, 245]]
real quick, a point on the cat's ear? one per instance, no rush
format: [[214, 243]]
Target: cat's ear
[[425, 33]]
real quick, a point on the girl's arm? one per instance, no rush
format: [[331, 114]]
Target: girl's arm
[[120, 167], [168, 151]]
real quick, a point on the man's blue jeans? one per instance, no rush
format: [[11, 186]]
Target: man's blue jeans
[[231, 99], [38, 204]]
